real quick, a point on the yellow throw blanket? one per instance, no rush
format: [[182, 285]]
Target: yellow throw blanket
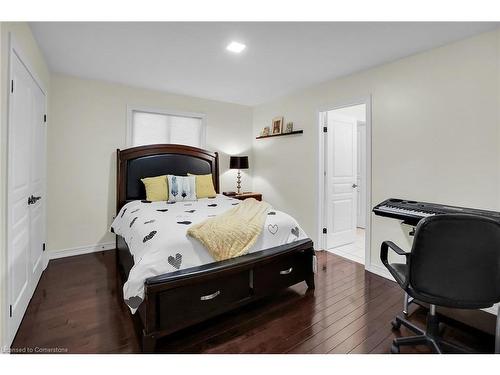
[[232, 233]]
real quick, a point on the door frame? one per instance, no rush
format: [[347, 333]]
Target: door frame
[[362, 125], [320, 177], [15, 48]]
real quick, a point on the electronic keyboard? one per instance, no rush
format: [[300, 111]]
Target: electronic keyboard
[[411, 212]]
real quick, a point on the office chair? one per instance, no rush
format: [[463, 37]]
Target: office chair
[[454, 262]]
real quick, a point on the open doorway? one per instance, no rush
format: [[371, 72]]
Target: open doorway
[[345, 198]]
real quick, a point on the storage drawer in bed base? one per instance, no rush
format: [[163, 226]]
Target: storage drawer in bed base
[[280, 273], [185, 305]]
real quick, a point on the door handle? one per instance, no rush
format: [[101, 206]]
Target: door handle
[[32, 199], [354, 186]]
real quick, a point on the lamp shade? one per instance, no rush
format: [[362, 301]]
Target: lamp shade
[[238, 162]]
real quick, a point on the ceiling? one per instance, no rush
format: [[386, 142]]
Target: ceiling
[[190, 58]]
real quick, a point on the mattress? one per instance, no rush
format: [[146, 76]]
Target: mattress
[[156, 234]]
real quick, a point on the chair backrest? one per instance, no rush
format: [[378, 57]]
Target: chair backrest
[[456, 258]]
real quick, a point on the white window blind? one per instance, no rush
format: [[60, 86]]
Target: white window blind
[[148, 127]]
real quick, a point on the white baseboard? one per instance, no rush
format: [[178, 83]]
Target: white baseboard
[[63, 253]]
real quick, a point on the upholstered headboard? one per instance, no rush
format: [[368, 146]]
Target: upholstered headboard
[[156, 160]]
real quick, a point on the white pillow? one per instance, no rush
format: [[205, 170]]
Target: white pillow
[[181, 188]]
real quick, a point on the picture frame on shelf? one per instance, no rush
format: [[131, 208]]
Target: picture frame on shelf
[[289, 127], [277, 125]]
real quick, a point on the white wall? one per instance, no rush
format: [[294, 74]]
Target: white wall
[[87, 123], [435, 135], [28, 45]]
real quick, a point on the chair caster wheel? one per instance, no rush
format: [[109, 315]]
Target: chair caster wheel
[[395, 349], [396, 325]]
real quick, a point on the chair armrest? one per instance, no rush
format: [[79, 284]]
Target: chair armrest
[[389, 244], [384, 249]]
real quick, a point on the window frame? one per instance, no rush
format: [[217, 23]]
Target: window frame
[[166, 112]]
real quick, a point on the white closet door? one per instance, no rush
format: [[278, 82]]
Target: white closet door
[[26, 177], [341, 180]]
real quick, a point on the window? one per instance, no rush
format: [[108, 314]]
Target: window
[[147, 126]]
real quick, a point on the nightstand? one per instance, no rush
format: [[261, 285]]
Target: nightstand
[[245, 195]]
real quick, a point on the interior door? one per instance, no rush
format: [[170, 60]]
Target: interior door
[[341, 180], [26, 177], [19, 191]]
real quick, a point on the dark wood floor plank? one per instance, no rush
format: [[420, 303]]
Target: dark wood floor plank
[[335, 322], [77, 306], [370, 315], [367, 331], [336, 311], [301, 316]]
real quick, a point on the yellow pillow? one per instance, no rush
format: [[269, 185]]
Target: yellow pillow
[[204, 186], [156, 188]]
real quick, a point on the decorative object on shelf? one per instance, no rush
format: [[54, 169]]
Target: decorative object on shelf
[[239, 163], [265, 132], [289, 127], [277, 125], [281, 134]]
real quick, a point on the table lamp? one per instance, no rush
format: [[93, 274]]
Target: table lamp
[[239, 163]]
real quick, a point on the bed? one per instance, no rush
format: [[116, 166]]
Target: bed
[[171, 299]]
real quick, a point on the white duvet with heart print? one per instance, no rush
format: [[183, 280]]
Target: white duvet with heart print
[[156, 233]]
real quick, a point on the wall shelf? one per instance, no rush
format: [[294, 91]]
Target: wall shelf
[[279, 135]]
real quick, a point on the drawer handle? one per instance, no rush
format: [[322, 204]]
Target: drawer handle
[[286, 272], [210, 296]]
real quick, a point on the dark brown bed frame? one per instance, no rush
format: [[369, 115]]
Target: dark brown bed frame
[[180, 299]]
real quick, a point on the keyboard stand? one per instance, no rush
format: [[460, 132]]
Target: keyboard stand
[[406, 303]]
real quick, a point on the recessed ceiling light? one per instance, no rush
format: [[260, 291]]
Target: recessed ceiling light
[[235, 47]]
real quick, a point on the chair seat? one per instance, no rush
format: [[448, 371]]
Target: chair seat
[[401, 269], [400, 272]]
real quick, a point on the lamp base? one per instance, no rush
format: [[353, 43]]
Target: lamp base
[[238, 182]]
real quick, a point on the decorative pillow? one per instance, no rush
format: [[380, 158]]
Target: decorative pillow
[[204, 186], [156, 188], [181, 188]]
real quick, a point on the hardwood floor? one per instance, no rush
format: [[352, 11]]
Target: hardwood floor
[[77, 309]]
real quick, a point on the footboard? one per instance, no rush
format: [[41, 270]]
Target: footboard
[[179, 299]]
